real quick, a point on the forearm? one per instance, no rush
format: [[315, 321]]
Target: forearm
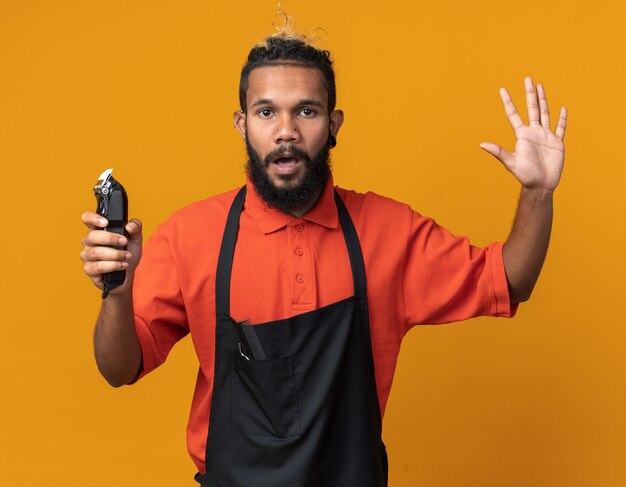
[[116, 346], [527, 245]]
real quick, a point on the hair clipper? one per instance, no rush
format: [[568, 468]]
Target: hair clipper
[[113, 205]]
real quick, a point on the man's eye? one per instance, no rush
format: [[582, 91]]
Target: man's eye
[[266, 112], [307, 112]]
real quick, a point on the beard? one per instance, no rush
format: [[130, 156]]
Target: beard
[[294, 197]]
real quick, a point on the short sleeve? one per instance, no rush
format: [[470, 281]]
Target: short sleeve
[[447, 279], [160, 317]]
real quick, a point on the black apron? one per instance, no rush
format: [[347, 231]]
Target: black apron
[[294, 401]]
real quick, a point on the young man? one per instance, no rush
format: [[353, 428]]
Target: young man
[[297, 294]]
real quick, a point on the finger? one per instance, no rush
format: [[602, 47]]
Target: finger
[[561, 124], [93, 220], [104, 253], [99, 267], [135, 238], [100, 237], [134, 226], [509, 108], [531, 102], [98, 281], [544, 112], [504, 156]]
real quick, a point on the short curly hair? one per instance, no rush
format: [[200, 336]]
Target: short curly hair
[[287, 48]]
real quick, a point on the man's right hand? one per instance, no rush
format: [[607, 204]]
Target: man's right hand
[[99, 258]]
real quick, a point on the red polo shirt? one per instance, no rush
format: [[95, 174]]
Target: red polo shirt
[[417, 273]]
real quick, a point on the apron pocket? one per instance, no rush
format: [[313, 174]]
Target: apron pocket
[[264, 397]]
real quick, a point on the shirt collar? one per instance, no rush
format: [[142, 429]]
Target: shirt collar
[[270, 219]]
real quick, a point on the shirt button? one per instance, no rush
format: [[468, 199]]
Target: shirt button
[[299, 227], [299, 252], [300, 278]]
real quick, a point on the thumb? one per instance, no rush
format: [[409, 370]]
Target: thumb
[[135, 239], [134, 227], [504, 156]]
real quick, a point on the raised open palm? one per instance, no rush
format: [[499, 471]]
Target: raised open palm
[[537, 161]]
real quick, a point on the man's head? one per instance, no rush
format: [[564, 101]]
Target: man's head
[[288, 120], [288, 49]]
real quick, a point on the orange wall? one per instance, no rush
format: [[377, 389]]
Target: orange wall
[[148, 87]]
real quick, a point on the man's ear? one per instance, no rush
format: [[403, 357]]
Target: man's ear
[[239, 119], [336, 121]]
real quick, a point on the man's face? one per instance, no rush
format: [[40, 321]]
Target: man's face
[[287, 129]]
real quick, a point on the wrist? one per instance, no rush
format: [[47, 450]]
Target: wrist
[[537, 194], [122, 294]]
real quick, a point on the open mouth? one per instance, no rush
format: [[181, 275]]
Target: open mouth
[[286, 165]]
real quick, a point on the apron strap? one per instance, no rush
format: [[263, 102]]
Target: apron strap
[[227, 253], [354, 248]]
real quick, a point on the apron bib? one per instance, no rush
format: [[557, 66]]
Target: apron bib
[[294, 401]]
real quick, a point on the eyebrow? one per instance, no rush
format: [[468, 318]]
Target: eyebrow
[[267, 101]]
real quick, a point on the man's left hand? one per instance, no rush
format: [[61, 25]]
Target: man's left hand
[[537, 161]]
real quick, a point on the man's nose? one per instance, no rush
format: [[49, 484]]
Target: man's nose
[[286, 130]]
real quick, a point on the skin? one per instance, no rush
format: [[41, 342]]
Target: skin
[[116, 346], [537, 163], [289, 105]]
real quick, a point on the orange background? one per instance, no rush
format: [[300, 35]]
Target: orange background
[[149, 87]]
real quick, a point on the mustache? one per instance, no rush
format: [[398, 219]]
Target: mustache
[[286, 149]]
